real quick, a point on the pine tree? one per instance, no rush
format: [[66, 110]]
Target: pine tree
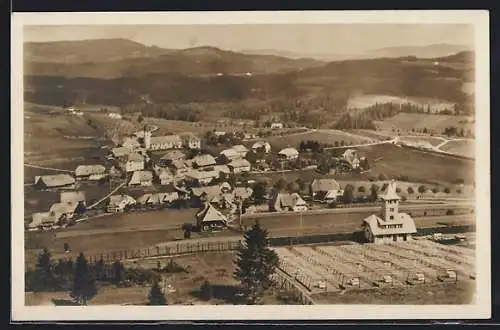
[[374, 193], [348, 196], [255, 264], [206, 290], [156, 296], [118, 272], [84, 283], [44, 278]]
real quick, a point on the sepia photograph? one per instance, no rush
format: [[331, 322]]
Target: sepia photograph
[[250, 165]]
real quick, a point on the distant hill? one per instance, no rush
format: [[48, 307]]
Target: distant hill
[[430, 51], [124, 58], [97, 50]]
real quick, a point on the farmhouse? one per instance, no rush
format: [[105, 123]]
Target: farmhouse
[[162, 142], [205, 194], [120, 151], [287, 202], [225, 187], [43, 220], [325, 189], [230, 154], [165, 176], [85, 171], [133, 162], [203, 160], [242, 192], [241, 150], [209, 218], [202, 177], [239, 166], [54, 181], [261, 145], [131, 143], [191, 141], [352, 157], [391, 226], [222, 201], [158, 198], [289, 153], [72, 197], [115, 115], [221, 169], [141, 178], [172, 156], [118, 203], [63, 211]]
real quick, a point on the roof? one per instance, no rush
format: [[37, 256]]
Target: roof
[[222, 168], [260, 144], [240, 148], [166, 139], [391, 192], [200, 175], [173, 155], [130, 141], [209, 213], [189, 136], [375, 224], [157, 198], [56, 180], [178, 164], [117, 199], [228, 198], [324, 185], [89, 169], [229, 152], [135, 157], [72, 196], [288, 200], [142, 176], [121, 151], [210, 191], [204, 160], [225, 185], [350, 155], [164, 173], [62, 208], [289, 152], [239, 163], [41, 218]]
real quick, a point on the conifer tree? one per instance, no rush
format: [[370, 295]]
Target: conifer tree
[[84, 283], [44, 277], [156, 296], [255, 264]]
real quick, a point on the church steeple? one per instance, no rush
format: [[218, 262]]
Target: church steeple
[[390, 209]]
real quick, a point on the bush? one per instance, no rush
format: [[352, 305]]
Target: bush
[[449, 212], [173, 267], [459, 191], [422, 189], [206, 291], [403, 178], [403, 198], [398, 190], [361, 189], [435, 190], [410, 190], [447, 190], [382, 177]]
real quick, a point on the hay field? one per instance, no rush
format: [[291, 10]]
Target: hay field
[[365, 101], [460, 147], [435, 123], [323, 136]]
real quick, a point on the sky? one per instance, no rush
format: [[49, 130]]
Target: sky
[[310, 38]]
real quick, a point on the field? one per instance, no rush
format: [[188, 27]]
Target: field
[[365, 101], [418, 166], [435, 123], [461, 147], [370, 263], [429, 139], [322, 136]]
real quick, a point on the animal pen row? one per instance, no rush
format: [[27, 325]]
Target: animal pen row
[[333, 268]]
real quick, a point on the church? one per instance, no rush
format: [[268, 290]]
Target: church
[[390, 226]]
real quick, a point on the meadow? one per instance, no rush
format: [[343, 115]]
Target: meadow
[[418, 121], [365, 101], [461, 147]]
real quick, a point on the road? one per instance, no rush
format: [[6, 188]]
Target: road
[[107, 196], [48, 168]]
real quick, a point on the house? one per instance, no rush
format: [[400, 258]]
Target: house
[[219, 133], [191, 141], [158, 198], [282, 202], [230, 154], [162, 142], [242, 192], [131, 143], [179, 168], [42, 220], [172, 156], [289, 154], [222, 201], [203, 160], [202, 177], [133, 162], [276, 125], [352, 157], [164, 175], [241, 150], [209, 218], [261, 145], [141, 178], [325, 190], [221, 169], [72, 197], [120, 151], [118, 203], [85, 171], [390, 226], [225, 187], [54, 181], [63, 211], [239, 166], [204, 194], [115, 115], [249, 136]]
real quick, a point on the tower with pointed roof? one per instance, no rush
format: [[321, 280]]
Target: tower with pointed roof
[[390, 208], [147, 138]]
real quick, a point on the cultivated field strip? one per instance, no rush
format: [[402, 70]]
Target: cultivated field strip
[[376, 264], [372, 264], [457, 250], [441, 258]]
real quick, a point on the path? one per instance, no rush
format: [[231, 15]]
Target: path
[[105, 197], [439, 146], [48, 168]]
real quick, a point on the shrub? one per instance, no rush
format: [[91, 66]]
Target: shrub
[[384, 187], [422, 189], [398, 190], [447, 190], [173, 267], [459, 191], [361, 189], [382, 177], [449, 212], [410, 190], [435, 190], [403, 198]]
